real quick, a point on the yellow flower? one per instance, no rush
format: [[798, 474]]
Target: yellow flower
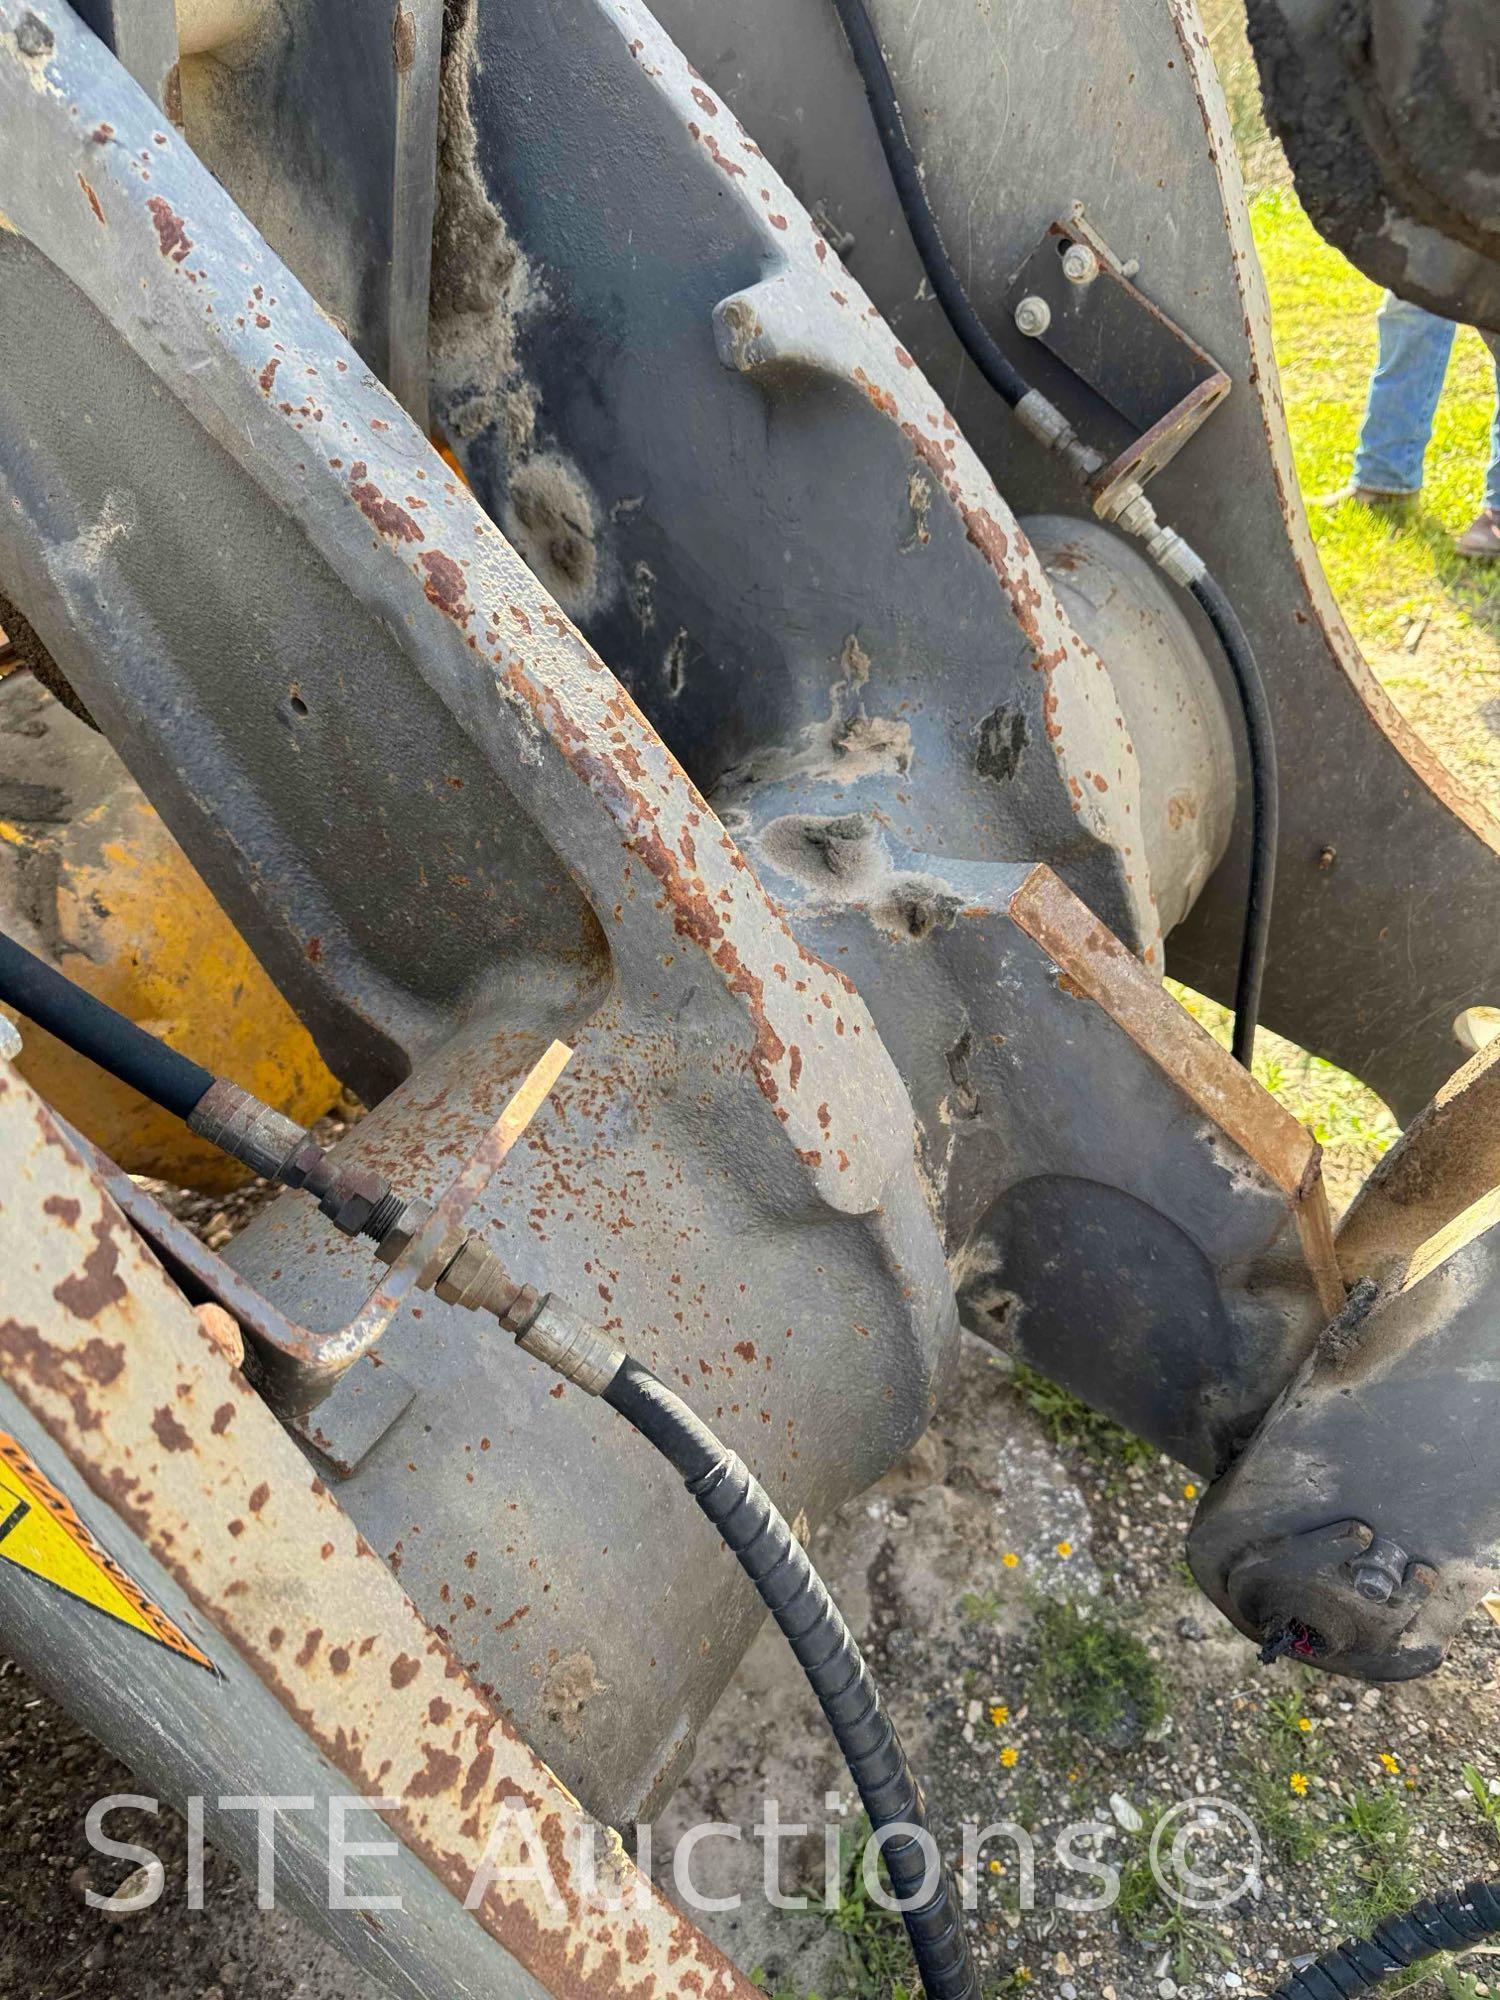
[[1009, 1755], [1065, 1549], [1298, 1784], [1391, 1763], [999, 1715], [1074, 1776], [997, 1868], [1304, 1724], [1010, 1558], [1190, 1491]]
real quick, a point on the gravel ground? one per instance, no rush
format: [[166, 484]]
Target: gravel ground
[[950, 1572], [966, 1644]]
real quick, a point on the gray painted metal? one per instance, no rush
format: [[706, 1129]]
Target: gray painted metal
[[1390, 1425], [323, 119], [1017, 113], [446, 829], [450, 832], [143, 34]]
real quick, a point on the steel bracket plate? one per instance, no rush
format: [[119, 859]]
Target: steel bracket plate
[[1156, 385]]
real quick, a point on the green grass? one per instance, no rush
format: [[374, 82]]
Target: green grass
[[1383, 1876], [1146, 1913], [1072, 1423], [878, 1963], [1293, 1826], [1427, 621], [1486, 1802], [1094, 1678], [1323, 314]]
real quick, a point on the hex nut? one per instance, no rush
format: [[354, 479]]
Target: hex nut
[[351, 1197], [304, 1162], [403, 1231]]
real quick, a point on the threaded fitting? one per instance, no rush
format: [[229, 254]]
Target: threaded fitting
[[476, 1279]]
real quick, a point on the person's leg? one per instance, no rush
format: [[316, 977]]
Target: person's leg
[[1482, 538], [1412, 360]]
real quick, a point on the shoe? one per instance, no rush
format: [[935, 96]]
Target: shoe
[[1482, 539], [1369, 496]]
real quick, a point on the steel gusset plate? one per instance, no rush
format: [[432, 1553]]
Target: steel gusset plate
[[449, 832], [1387, 881]]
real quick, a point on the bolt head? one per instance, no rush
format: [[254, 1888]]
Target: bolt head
[[1374, 1585], [1033, 316], [1080, 264]]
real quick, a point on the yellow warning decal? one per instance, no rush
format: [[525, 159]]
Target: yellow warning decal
[[40, 1532]]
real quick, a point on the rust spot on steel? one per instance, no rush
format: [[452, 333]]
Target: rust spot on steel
[[403, 40], [446, 586], [171, 233], [86, 1292], [93, 200], [169, 1431], [388, 517], [73, 1375], [267, 375]]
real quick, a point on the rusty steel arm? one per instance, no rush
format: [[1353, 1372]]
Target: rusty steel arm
[[321, 1656]]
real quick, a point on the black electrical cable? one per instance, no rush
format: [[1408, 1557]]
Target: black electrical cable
[[1265, 810], [798, 1599], [98, 1032], [1008, 381], [979, 343], [1455, 1922]]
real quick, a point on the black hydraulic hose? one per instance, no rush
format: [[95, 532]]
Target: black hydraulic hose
[[1455, 1922], [98, 1032], [979, 343], [1265, 809], [798, 1599], [1008, 381]]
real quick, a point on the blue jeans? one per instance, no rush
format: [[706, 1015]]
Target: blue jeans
[[1414, 346]]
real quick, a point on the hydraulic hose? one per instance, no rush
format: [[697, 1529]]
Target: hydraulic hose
[[356, 1200], [798, 1599], [1166, 548], [1455, 1922], [718, 1479], [98, 1032], [1265, 809], [979, 343]]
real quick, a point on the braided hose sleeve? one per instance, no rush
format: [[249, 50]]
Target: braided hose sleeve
[[1453, 1922], [797, 1598]]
